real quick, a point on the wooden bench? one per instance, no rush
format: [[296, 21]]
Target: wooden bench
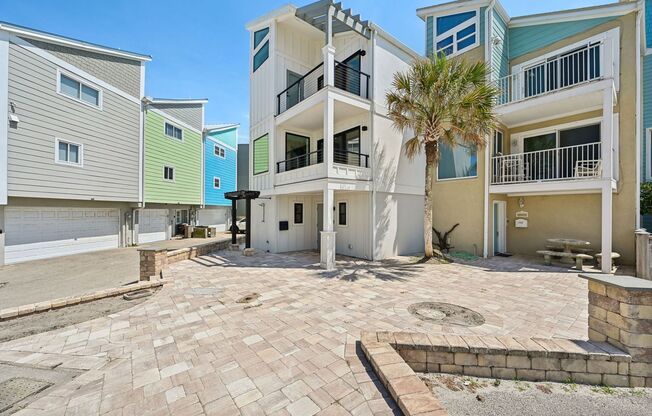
[[598, 258], [578, 257]]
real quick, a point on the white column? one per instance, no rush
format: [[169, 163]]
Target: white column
[[329, 65], [328, 235], [329, 131], [4, 114], [607, 174]]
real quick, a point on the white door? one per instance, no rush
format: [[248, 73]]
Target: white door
[[38, 233], [152, 225], [320, 224], [500, 227]]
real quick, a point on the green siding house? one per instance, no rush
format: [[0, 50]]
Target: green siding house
[[173, 167]]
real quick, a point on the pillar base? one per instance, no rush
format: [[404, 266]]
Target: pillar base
[[327, 252], [234, 247], [249, 252]]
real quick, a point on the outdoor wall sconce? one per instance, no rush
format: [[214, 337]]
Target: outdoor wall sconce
[[521, 202]]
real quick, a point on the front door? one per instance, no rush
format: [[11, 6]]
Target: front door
[[500, 228], [294, 93], [181, 217], [320, 224]]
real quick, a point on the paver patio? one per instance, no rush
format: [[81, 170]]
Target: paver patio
[[193, 349]]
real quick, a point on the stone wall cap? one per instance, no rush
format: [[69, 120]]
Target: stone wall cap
[[625, 282]]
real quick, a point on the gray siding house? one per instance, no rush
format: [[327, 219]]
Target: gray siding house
[[71, 171]]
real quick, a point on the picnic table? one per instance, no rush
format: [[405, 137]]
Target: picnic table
[[569, 244]]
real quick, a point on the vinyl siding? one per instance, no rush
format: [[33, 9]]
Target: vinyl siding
[[119, 72], [190, 114], [648, 23], [430, 27], [499, 52], [223, 168], [184, 156], [647, 110], [110, 137], [526, 39]]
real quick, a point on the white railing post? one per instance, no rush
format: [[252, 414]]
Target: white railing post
[[643, 254]]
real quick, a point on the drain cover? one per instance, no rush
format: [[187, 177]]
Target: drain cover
[[446, 313], [18, 389]]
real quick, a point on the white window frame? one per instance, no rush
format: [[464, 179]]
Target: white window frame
[[453, 32], [221, 149], [81, 81], [303, 213], [174, 173], [79, 164], [219, 181], [502, 140], [165, 123], [345, 202]]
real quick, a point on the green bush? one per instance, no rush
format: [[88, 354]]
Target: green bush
[[646, 198]]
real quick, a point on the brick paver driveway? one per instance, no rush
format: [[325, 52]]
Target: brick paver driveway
[[193, 349]]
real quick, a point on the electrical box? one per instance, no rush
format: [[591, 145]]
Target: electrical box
[[520, 223]]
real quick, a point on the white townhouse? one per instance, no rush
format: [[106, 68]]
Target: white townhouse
[[71, 152], [329, 165]]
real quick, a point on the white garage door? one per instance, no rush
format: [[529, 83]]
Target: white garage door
[[152, 225], [39, 233]]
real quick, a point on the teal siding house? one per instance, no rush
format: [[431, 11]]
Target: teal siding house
[[220, 163]]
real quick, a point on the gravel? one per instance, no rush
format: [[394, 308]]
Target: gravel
[[462, 395]]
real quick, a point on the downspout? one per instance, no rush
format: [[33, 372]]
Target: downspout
[[372, 144], [639, 124], [487, 161]]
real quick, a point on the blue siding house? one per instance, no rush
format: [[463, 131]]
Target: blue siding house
[[220, 172]]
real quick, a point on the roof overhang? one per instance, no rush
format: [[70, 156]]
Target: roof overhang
[[594, 12], [220, 127], [28, 33], [288, 9], [317, 14], [452, 6], [150, 100]]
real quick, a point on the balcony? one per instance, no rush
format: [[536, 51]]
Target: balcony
[[562, 163], [354, 159], [555, 86], [347, 78]]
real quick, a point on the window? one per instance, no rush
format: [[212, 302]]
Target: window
[[346, 147], [78, 90], [498, 143], [168, 173], [216, 183], [261, 155], [68, 153], [259, 35], [173, 131], [460, 161], [297, 149], [456, 33], [219, 151], [341, 214], [261, 56], [298, 213]]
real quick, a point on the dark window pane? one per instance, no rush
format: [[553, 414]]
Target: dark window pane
[[259, 36], [69, 86], [342, 213], [446, 23], [261, 56], [298, 213], [466, 43], [457, 162], [465, 32], [90, 95]]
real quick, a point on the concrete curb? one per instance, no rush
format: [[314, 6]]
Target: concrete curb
[[33, 308]]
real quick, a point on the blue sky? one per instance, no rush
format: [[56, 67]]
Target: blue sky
[[200, 47]]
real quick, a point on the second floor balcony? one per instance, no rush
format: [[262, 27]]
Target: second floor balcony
[[570, 163], [342, 157], [347, 77]]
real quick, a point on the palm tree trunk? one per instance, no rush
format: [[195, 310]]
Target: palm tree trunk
[[431, 163]]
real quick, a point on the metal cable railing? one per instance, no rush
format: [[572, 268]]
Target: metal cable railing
[[316, 157]]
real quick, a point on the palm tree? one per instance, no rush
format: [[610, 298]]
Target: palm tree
[[441, 100]]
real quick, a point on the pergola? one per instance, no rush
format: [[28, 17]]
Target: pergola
[[234, 197]]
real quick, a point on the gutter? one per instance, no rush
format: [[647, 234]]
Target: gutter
[[639, 121]]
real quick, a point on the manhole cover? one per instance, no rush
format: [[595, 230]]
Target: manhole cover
[[18, 389], [446, 313]]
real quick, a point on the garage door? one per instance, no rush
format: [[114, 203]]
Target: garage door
[[39, 233], [152, 225]]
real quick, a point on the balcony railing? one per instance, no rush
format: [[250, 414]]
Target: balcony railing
[[579, 66], [346, 78], [316, 157], [562, 163]]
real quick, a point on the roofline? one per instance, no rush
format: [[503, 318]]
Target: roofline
[[70, 42], [394, 41], [151, 100], [215, 127], [593, 12], [274, 14]]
